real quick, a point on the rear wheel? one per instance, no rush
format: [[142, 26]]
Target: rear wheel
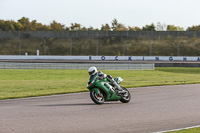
[[125, 98], [98, 99]]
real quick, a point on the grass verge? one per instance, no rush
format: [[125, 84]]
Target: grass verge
[[192, 130], [28, 83]]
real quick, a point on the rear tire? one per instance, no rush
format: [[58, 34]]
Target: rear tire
[[98, 99], [125, 97]]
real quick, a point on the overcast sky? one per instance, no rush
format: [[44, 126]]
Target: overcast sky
[[94, 13]]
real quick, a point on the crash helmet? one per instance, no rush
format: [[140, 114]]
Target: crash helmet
[[92, 70]]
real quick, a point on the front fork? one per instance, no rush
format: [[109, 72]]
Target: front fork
[[96, 90]]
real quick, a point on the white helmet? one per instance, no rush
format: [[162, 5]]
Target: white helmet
[[92, 70]]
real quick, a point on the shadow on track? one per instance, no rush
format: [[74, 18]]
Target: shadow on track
[[76, 104]]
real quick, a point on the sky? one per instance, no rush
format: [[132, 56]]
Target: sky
[[183, 13]]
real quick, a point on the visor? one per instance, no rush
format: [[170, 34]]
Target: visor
[[90, 73]]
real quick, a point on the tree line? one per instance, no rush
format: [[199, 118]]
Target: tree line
[[24, 24]]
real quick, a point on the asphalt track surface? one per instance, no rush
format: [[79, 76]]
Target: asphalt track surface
[[151, 109]]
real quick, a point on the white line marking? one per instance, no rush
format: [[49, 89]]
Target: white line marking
[[84, 93], [44, 96], [177, 129]]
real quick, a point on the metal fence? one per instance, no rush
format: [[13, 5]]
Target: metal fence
[[96, 34], [105, 43], [102, 47], [85, 66]]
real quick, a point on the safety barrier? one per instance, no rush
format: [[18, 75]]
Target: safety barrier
[[102, 66]]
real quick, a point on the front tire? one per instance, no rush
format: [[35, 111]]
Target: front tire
[[125, 98], [98, 99]]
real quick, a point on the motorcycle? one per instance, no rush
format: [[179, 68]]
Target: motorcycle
[[102, 90]]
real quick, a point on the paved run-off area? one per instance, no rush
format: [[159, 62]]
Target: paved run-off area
[[151, 109]]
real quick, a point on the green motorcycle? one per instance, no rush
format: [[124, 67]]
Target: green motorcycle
[[102, 90]]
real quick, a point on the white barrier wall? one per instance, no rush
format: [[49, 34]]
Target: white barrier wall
[[102, 58], [85, 66]]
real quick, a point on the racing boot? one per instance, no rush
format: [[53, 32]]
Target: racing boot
[[119, 89]]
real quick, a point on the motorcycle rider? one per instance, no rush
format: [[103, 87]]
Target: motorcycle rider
[[93, 72]]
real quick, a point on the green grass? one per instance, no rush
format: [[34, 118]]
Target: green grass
[[192, 130], [28, 83]]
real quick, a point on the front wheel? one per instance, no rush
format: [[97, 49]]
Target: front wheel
[[98, 99], [125, 98]]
